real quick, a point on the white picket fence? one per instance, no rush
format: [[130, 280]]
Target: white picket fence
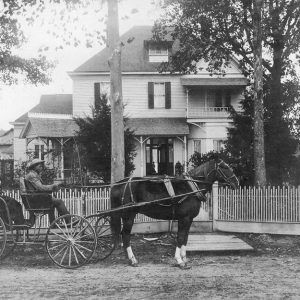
[[265, 210], [261, 210], [85, 202]]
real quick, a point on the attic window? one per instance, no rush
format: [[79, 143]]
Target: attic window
[[158, 53]]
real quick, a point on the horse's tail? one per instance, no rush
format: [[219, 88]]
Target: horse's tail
[[115, 201]]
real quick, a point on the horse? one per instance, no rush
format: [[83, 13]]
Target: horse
[[166, 198]]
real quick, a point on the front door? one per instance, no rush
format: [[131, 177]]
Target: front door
[[159, 156]]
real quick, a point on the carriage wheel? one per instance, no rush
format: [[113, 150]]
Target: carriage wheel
[[105, 239], [12, 237], [70, 245], [3, 237]]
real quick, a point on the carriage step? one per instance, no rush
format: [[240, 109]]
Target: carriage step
[[216, 242]]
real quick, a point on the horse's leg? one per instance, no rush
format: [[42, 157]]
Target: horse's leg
[[126, 231], [184, 225]]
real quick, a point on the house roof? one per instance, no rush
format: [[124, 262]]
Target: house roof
[[134, 57], [158, 126], [54, 104], [50, 104], [7, 138], [49, 127]]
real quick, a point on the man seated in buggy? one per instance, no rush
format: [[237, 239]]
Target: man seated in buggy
[[33, 184]]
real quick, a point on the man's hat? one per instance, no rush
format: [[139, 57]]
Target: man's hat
[[34, 162]]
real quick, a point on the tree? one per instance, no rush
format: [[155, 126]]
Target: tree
[[36, 69], [259, 138], [214, 30], [115, 47], [94, 139]]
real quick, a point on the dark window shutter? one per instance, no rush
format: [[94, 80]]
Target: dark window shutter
[[219, 98], [228, 99], [150, 95], [168, 94], [96, 93]]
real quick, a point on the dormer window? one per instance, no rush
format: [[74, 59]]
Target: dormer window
[[158, 53]]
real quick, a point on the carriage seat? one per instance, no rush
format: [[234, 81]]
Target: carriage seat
[[36, 202]]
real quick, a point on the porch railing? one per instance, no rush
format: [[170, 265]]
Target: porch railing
[[208, 112]]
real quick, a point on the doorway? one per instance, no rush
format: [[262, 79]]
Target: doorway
[[159, 156]]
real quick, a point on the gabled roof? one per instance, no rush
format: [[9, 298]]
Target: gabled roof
[[158, 126], [134, 54], [50, 127], [50, 104]]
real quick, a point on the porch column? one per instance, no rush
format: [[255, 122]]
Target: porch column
[[187, 102], [62, 159], [142, 156], [185, 154]]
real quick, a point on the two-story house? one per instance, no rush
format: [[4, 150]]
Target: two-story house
[[172, 115]]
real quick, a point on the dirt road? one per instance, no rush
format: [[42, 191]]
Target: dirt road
[[264, 274]]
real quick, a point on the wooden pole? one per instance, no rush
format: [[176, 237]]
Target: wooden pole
[[116, 99], [259, 148]]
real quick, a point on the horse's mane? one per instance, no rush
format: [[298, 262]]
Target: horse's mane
[[202, 170]]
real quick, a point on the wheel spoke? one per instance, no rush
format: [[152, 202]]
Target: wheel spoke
[[64, 255], [75, 255], [61, 236], [81, 254], [82, 247], [64, 247]]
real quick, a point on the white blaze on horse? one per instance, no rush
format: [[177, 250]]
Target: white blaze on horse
[[174, 198]]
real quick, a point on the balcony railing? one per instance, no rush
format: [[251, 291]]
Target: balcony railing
[[207, 112]]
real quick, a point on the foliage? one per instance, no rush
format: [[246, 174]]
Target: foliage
[[94, 138], [35, 70], [178, 168], [214, 31]]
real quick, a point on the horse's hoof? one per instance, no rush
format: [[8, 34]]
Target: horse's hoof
[[133, 264], [183, 266]]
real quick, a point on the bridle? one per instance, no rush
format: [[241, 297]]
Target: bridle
[[221, 173]]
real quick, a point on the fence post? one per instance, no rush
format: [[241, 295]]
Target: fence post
[[215, 206]]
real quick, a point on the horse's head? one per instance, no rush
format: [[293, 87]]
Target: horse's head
[[215, 170], [225, 174]]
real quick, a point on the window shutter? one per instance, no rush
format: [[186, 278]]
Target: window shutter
[[150, 95], [96, 92], [168, 94]]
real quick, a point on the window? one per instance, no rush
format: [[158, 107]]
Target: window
[[218, 145], [158, 53], [39, 152], [218, 98], [105, 88], [100, 89], [197, 146], [159, 95]]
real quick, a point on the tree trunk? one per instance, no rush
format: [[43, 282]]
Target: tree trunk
[[116, 101], [259, 149]]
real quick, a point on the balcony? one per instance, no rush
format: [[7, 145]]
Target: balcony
[[207, 112]]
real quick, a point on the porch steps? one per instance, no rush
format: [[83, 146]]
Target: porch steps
[[216, 242]]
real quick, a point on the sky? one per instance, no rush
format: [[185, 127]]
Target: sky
[[19, 99]]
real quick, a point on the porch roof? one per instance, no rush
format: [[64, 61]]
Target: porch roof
[[202, 81], [49, 127], [159, 126]]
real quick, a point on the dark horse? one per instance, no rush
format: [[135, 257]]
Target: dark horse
[[137, 191]]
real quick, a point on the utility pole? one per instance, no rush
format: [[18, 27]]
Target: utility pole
[[116, 99], [259, 145]]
